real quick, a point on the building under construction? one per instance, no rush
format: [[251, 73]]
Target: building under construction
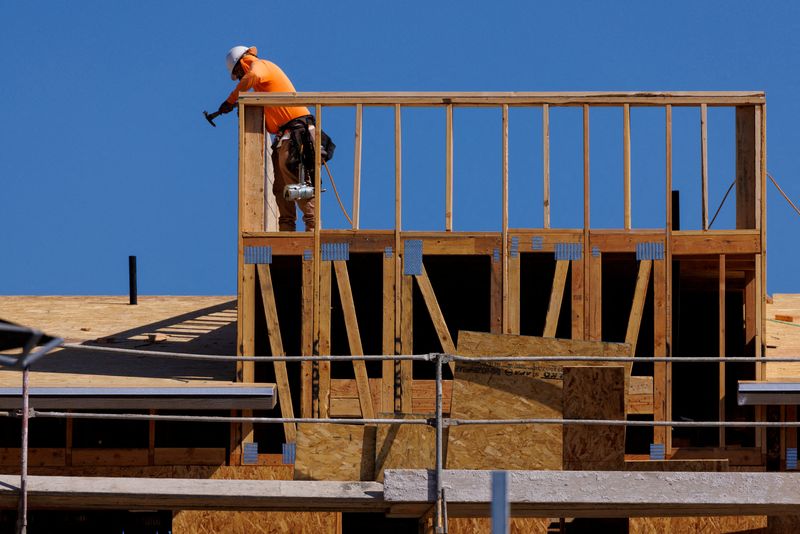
[[627, 379]]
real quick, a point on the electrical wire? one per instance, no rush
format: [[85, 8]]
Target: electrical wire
[[714, 218], [336, 192], [784, 194]]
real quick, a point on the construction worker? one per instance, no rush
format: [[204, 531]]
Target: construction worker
[[289, 125]]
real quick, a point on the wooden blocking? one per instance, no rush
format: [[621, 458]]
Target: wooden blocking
[[276, 346], [404, 446], [594, 393], [637, 308], [556, 296], [335, 452], [354, 338]]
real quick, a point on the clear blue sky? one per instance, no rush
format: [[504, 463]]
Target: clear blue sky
[[104, 151]]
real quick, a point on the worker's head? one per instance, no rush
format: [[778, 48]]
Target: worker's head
[[233, 60]]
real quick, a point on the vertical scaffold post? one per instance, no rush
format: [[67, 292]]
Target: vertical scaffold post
[[440, 515], [22, 514]]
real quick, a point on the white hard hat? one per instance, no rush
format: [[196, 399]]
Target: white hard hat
[[234, 55]]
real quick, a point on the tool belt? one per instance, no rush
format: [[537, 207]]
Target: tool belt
[[301, 146]]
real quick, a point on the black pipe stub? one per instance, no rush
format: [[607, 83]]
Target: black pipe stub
[[132, 280]]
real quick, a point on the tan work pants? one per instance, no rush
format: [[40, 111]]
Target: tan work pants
[[287, 215]]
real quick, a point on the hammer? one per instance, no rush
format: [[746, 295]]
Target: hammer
[[211, 116]]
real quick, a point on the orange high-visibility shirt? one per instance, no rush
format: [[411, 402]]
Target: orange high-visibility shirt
[[263, 75]]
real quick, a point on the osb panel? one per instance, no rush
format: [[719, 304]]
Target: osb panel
[[677, 465], [335, 452], [594, 393], [483, 525], [699, 525], [502, 391], [404, 446], [507, 390], [213, 522]]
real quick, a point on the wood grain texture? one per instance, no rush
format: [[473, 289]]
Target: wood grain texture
[[212, 522], [556, 296], [354, 338], [404, 447], [276, 346], [592, 392], [698, 525], [335, 452], [637, 308]]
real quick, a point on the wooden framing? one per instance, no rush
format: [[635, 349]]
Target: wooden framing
[[729, 248]]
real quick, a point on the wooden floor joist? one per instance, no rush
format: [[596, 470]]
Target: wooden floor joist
[[354, 338], [276, 347], [437, 317], [556, 296]]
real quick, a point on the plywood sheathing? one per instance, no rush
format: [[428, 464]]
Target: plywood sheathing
[[705, 525], [512, 390], [404, 446], [783, 339], [335, 452], [592, 392], [483, 525]]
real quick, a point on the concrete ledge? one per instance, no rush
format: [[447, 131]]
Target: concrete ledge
[[187, 494], [601, 493]]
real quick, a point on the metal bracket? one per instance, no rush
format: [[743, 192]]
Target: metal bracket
[[596, 251], [335, 251], [496, 255], [514, 251], [791, 457], [657, 451], [250, 453], [387, 253], [569, 251], [537, 243], [257, 255], [412, 256], [650, 250], [308, 255], [289, 453]]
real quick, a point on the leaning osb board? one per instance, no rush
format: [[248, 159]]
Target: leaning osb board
[[509, 390], [594, 393], [755, 524], [404, 446], [212, 522], [483, 525], [335, 452]]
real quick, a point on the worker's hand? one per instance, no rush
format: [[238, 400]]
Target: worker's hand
[[225, 107]]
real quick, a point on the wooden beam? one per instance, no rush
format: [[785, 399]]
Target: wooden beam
[[513, 326], [722, 347], [661, 386], [448, 213], [324, 338], [307, 339], [406, 342], [436, 314], [388, 372], [747, 166], [494, 99], [354, 338], [637, 308], [546, 162], [626, 164], [587, 281], [578, 289], [276, 347], [596, 298], [704, 162], [504, 212], [556, 295], [357, 168]]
